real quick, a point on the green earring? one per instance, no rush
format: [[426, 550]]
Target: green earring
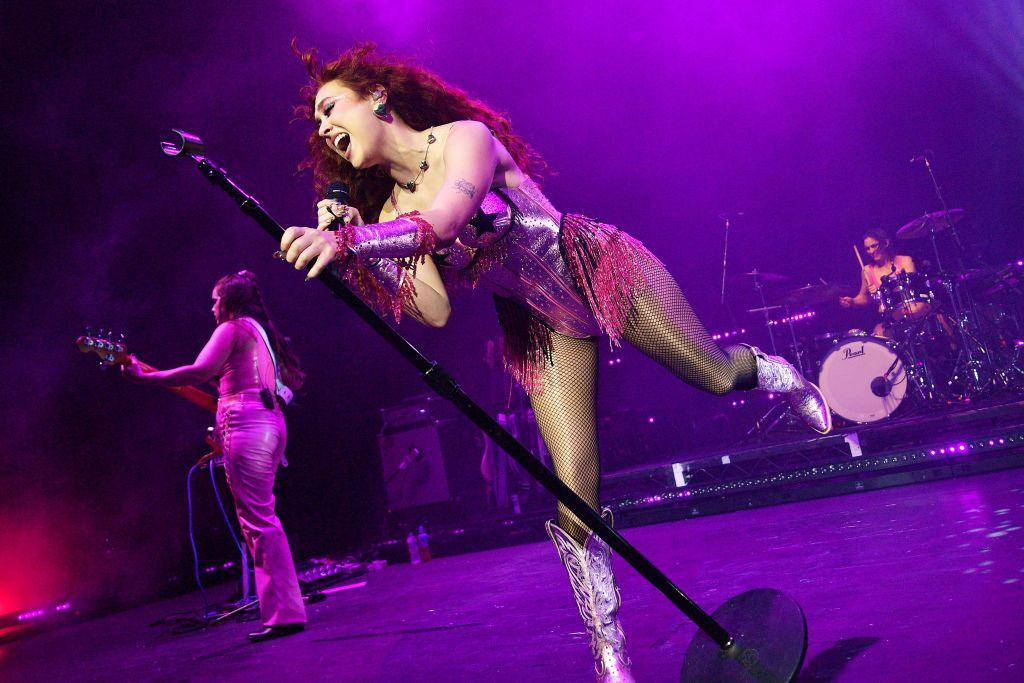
[[380, 108]]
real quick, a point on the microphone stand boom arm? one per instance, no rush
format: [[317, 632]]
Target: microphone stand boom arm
[[441, 382], [768, 638]]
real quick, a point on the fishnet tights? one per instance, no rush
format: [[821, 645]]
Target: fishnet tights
[[664, 327]]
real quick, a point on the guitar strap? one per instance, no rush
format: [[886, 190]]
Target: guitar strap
[[281, 389]]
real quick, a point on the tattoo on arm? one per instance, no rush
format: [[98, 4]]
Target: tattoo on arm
[[465, 187]]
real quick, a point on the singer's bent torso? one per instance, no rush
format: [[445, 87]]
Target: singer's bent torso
[[549, 271], [511, 246]]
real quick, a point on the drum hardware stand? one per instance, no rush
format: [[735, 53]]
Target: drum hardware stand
[[946, 214], [973, 357], [1016, 366], [779, 414], [920, 376], [972, 367], [728, 219], [792, 333], [1011, 376], [764, 309], [725, 250], [1009, 370], [919, 372]]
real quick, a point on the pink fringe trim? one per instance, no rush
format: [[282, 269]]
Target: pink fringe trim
[[427, 239], [371, 289], [526, 344], [607, 265]]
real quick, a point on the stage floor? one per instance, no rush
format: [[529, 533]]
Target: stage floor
[[921, 582]]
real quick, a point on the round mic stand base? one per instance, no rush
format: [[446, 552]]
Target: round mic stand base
[[769, 641]]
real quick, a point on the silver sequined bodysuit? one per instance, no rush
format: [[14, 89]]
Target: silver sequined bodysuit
[[512, 246]]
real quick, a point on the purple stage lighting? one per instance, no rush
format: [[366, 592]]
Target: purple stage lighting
[[31, 614]]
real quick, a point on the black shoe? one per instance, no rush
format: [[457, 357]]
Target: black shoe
[[276, 631]]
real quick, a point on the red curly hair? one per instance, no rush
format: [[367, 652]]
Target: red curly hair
[[418, 96]]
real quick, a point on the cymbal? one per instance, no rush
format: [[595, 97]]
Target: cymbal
[[764, 276], [813, 294], [937, 221], [1007, 279], [975, 274]]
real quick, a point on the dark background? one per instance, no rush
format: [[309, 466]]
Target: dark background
[[657, 118]]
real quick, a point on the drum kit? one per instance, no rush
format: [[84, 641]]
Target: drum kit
[[950, 335]]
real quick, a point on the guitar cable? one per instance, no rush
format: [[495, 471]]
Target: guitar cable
[[192, 540], [192, 535], [242, 552]]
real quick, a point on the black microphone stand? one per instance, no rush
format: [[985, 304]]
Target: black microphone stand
[[971, 345], [769, 632]]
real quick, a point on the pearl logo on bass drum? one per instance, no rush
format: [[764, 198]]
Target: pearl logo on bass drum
[[849, 353]]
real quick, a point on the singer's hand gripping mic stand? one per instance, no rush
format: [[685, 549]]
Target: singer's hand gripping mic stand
[[767, 633]]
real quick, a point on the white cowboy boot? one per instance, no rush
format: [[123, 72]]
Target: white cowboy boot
[[775, 373], [597, 596]]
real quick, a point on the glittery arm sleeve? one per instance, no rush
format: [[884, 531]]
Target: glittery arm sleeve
[[385, 284], [408, 236]]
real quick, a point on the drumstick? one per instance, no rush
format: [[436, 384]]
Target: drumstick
[[856, 253]]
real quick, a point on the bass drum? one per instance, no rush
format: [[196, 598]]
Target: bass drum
[[863, 378]]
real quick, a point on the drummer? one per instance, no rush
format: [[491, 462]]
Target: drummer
[[882, 261]]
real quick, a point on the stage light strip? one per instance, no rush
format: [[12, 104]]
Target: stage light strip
[[32, 615], [338, 589], [945, 449]]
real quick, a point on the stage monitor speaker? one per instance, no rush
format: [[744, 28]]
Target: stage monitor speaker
[[413, 467]]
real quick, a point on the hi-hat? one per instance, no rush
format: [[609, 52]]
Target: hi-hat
[[930, 222], [813, 294]]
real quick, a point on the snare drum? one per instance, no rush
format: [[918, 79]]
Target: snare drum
[[907, 296], [863, 378]]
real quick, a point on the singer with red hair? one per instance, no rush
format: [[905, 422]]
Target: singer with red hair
[[444, 195]]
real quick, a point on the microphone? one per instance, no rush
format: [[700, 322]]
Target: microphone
[[414, 456], [924, 156], [881, 387], [338, 191]]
